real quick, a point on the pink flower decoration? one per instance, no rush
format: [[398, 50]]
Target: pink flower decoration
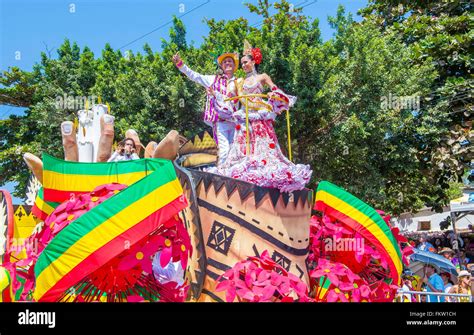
[[336, 294], [135, 298], [400, 238], [140, 254], [383, 292], [330, 270], [230, 285], [406, 252], [260, 279]]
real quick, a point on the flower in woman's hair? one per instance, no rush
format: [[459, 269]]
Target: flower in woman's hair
[[257, 55]]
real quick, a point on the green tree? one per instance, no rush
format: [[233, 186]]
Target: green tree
[[396, 157], [439, 32]]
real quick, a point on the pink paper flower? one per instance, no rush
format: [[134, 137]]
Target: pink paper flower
[[261, 279], [335, 294], [330, 270]]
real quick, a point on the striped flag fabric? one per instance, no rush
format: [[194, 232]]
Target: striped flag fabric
[[62, 178], [109, 228], [340, 204], [41, 208]]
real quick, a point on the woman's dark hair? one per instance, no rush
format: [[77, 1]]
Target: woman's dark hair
[[122, 142], [251, 58]]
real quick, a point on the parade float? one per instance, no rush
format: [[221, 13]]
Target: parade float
[[108, 231]]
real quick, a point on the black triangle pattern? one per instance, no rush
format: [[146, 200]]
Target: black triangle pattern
[[197, 179], [304, 198], [259, 194], [202, 134], [274, 196], [296, 197], [230, 186], [218, 183], [244, 190], [207, 178]]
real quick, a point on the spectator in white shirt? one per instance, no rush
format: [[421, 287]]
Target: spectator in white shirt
[[126, 151]]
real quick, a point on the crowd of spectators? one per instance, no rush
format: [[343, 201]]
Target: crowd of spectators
[[457, 249]]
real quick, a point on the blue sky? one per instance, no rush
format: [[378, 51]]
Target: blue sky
[[28, 27]]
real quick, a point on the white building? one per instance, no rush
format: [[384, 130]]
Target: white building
[[429, 221]]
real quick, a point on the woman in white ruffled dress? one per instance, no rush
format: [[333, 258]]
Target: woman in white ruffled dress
[[265, 165]]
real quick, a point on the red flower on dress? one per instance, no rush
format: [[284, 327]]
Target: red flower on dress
[[272, 145], [238, 127]]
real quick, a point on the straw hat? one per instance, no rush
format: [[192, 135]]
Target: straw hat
[[232, 55], [446, 250], [464, 273]]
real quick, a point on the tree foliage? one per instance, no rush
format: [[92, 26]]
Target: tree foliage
[[395, 157]]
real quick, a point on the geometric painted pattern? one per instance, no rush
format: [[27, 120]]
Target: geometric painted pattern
[[281, 260], [220, 237]]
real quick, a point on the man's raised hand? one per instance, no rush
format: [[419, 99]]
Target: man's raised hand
[[176, 58]]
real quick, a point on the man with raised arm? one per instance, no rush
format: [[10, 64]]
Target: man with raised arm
[[216, 114]]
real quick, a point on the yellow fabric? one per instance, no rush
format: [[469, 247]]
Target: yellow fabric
[[4, 282], [199, 159], [86, 183], [104, 233]]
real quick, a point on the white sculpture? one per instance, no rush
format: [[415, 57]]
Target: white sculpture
[[89, 132]]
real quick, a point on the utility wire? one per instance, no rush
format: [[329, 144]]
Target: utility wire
[[164, 25]]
